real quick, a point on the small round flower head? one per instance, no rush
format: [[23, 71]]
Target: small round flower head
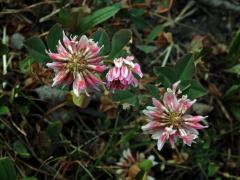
[[122, 74], [169, 120], [128, 165], [77, 62]]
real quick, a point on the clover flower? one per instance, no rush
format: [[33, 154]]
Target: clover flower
[[77, 62], [122, 74], [169, 120], [128, 166]]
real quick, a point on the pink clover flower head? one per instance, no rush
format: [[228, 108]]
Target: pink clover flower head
[[121, 76], [169, 120], [77, 62]]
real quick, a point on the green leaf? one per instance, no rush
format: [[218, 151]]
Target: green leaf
[[166, 75], [232, 90], [125, 97], [153, 34], [25, 64], [7, 169], [235, 69], [145, 167], [54, 129], [153, 90], [119, 40], [4, 110], [127, 136], [235, 110], [139, 22], [102, 38], [20, 149], [98, 17], [184, 71], [146, 48], [234, 51], [195, 90], [212, 169], [36, 49], [185, 68], [55, 34], [81, 101], [137, 12]]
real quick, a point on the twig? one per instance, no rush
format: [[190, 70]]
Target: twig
[[14, 11], [168, 52], [221, 4], [4, 56], [227, 115], [85, 169], [54, 108], [42, 19], [185, 13]]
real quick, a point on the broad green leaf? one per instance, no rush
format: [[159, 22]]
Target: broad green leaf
[[98, 17], [20, 149], [36, 49], [4, 110], [232, 90], [55, 34], [235, 69], [195, 89], [212, 169], [146, 48], [7, 169], [154, 33], [119, 40], [185, 68], [136, 12], [166, 75], [64, 17], [153, 90], [102, 38], [234, 51], [125, 97], [54, 129], [235, 110], [51, 95], [139, 22]]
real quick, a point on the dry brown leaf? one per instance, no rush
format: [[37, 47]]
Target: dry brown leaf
[[145, 80], [164, 39], [180, 158], [39, 76], [146, 4], [164, 9], [133, 171], [108, 106], [213, 90]]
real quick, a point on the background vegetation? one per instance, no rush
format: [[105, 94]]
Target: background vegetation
[[48, 133]]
